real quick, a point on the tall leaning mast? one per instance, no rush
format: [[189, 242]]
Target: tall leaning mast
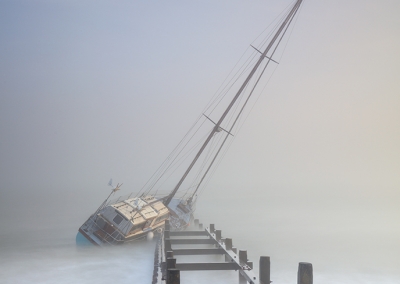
[[216, 128]]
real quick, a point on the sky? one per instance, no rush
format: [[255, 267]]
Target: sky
[[93, 90]]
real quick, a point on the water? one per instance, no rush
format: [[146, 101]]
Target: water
[[47, 257], [347, 242], [345, 246]]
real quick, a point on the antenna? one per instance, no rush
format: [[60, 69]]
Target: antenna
[[117, 187], [114, 188], [112, 191]]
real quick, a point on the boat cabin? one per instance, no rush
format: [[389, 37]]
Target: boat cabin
[[130, 218]]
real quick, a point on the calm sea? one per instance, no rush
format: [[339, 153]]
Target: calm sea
[[342, 248]]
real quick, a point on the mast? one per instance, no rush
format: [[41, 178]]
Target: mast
[[217, 125], [190, 199]]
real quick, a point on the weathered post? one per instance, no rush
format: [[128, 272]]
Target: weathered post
[[250, 264], [167, 226], [305, 273], [234, 250], [167, 245], [196, 223], [218, 235], [243, 261], [170, 254], [265, 270], [166, 234], [174, 276], [212, 228], [171, 262], [243, 256], [228, 246], [228, 243]]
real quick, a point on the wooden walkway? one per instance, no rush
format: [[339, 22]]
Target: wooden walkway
[[167, 270]]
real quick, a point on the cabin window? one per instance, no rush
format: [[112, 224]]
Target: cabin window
[[118, 219]]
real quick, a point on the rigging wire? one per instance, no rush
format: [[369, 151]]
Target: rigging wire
[[258, 97], [276, 46], [217, 98], [244, 69], [171, 163], [168, 157], [182, 159]]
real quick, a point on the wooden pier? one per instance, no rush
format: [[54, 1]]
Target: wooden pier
[[167, 270]]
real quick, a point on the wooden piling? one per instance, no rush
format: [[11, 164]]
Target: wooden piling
[[228, 246], [305, 273], [228, 243], [250, 264], [243, 256], [243, 261], [265, 270], [167, 245], [212, 228], [167, 225], [173, 276], [218, 235], [171, 262]]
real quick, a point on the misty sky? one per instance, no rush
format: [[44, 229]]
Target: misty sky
[[91, 90]]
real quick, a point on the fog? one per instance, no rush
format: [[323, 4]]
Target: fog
[[94, 90]]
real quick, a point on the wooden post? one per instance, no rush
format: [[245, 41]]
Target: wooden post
[[228, 244], [196, 223], [243, 256], [243, 260], [167, 245], [171, 263], [201, 226], [166, 234], [265, 270], [174, 276], [250, 264], [305, 273], [218, 235], [167, 226], [170, 254], [212, 228]]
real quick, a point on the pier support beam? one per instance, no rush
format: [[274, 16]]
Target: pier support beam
[[305, 273]]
